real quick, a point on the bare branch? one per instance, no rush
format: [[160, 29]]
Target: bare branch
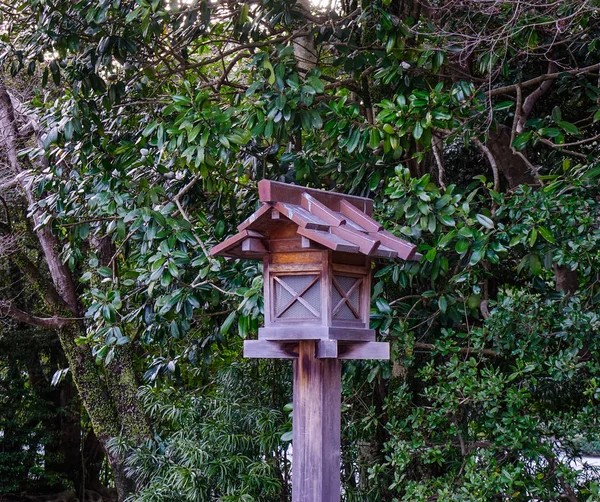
[[435, 146], [462, 350], [532, 99], [8, 309], [563, 150], [509, 89], [491, 159]]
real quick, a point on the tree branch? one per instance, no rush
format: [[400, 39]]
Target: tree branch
[[7, 309], [538, 80], [60, 273], [532, 99], [462, 350], [492, 160]]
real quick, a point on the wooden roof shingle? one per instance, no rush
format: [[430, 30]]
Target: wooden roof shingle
[[336, 221]]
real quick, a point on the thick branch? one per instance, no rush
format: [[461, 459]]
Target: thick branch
[[60, 273], [532, 99], [538, 80], [8, 309]]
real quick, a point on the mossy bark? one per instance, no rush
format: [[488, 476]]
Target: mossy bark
[[110, 402]]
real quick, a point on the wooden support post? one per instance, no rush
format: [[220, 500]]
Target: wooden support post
[[316, 427]]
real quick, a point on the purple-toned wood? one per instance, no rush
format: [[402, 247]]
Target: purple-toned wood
[[273, 191], [351, 334], [321, 211], [328, 240], [270, 350], [405, 250], [301, 216], [326, 349], [351, 212], [366, 244], [366, 350], [316, 427], [248, 222], [295, 331], [315, 331], [385, 252], [229, 243], [254, 245]]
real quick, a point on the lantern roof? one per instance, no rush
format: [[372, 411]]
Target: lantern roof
[[335, 221]]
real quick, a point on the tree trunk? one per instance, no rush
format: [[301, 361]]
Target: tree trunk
[[111, 411], [512, 167]]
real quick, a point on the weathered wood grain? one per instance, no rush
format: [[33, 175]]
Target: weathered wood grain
[[273, 191], [270, 350], [316, 427], [366, 350]]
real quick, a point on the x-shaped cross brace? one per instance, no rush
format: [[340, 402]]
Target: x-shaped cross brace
[[346, 296], [297, 296]]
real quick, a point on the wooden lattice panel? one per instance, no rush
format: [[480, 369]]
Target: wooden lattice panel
[[297, 296], [346, 298]]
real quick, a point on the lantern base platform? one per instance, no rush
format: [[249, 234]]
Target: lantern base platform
[[303, 332], [325, 349]]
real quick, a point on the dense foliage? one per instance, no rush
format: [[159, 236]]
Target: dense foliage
[[473, 125]]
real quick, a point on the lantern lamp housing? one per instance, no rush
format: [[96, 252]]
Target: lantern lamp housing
[[317, 248]]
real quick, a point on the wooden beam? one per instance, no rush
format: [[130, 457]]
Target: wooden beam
[[366, 350], [354, 214], [366, 243], [301, 216], [252, 244], [270, 350], [327, 349], [321, 211], [316, 427], [248, 222], [328, 240], [405, 250], [273, 191], [295, 332]]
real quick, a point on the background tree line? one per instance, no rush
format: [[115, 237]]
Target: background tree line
[[133, 135]]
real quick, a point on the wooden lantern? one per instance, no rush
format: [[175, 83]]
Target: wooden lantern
[[317, 248]]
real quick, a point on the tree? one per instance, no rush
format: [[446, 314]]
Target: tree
[[163, 117]]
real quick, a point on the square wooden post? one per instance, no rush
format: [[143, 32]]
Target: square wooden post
[[317, 249], [316, 427]]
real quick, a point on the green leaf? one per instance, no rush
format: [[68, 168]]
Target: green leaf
[[568, 127], [372, 374], [485, 221], [389, 129], [353, 141], [476, 256], [546, 234], [556, 114], [383, 305], [417, 130], [269, 66], [108, 312], [462, 245], [443, 303], [504, 105], [446, 220], [227, 323], [105, 272], [522, 139], [532, 236], [535, 264], [316, 84]]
